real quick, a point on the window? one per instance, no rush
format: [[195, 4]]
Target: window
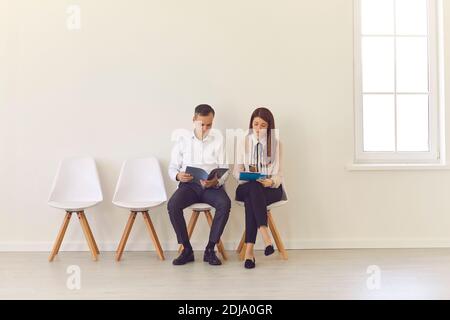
[[397, 81]]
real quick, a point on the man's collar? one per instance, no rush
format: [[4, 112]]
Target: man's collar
[[205, 139]]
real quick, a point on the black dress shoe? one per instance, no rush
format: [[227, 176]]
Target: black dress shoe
[[250, 264], [186, 256], [269, 250], [211, 258]]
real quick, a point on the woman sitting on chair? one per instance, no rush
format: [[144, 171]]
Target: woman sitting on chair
[[260, 152]]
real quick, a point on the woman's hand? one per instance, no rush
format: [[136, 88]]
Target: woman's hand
[[184, 177], [267, 183]]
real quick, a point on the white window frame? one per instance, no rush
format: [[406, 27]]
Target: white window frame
[[435, 155]]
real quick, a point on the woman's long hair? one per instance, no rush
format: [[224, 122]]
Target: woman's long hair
[[267, 116]]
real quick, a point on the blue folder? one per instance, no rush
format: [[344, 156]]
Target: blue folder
[[251, 176]]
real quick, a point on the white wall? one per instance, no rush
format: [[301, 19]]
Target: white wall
[[118, 87]]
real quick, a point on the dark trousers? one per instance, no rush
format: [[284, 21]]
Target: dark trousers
[[190, 193], [256, 199]]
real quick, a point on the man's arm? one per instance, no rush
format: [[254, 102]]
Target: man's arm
[[224, 178], [176, 161]]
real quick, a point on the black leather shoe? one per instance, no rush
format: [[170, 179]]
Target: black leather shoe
[[211, 258], [250, 264], [185, 257], [269, 250]]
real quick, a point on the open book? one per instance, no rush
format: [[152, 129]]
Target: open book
[[200, 174]]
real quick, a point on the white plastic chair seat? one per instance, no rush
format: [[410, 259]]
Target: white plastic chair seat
[[76, 185], [269, 207], [143, 206], [140, 185], [283, 201], [73, 206], [200, 207], [277, 204]]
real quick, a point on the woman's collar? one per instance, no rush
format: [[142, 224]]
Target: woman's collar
[[255, 139]]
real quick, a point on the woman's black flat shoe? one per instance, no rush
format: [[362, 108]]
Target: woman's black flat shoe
[[269, 250], [250, 264]]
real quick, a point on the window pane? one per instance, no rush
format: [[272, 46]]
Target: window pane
[[378, 64], [377, 17], [412, 17], [412, 122], [379, 122], [412, 65]]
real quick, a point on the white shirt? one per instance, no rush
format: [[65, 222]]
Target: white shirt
[[207, 154], [253, 152]]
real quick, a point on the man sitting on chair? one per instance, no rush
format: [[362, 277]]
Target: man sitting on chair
[[200, 149]]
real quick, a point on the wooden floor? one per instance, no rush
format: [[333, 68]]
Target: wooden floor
[[327, 274]]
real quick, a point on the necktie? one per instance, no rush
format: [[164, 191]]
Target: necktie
[[258, 157]]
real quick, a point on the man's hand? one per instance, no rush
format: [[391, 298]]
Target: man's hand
[[184, 177], [267, 183], [210, 183]]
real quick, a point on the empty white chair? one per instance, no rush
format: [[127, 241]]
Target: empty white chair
[[140, 187], [76, 188], [273, 228], [197, 208]]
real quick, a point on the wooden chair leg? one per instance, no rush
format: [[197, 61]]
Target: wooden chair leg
[[64, 229], [153, 235], [90, 232], [125, 235], [276, 236], [60, 236], [191, 226], [220, 246], [241, 243], [85, 228], [242, 252], [192, 223]]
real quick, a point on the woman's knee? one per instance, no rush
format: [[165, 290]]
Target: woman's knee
[[241, 192], [255, 186]]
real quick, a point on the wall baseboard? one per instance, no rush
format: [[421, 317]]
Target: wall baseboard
[[318, 244]]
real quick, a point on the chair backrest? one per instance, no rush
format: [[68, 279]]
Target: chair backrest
[[140, 180], [76, 180], [284, 197]]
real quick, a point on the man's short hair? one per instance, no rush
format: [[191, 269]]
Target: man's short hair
[[204, 110]]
